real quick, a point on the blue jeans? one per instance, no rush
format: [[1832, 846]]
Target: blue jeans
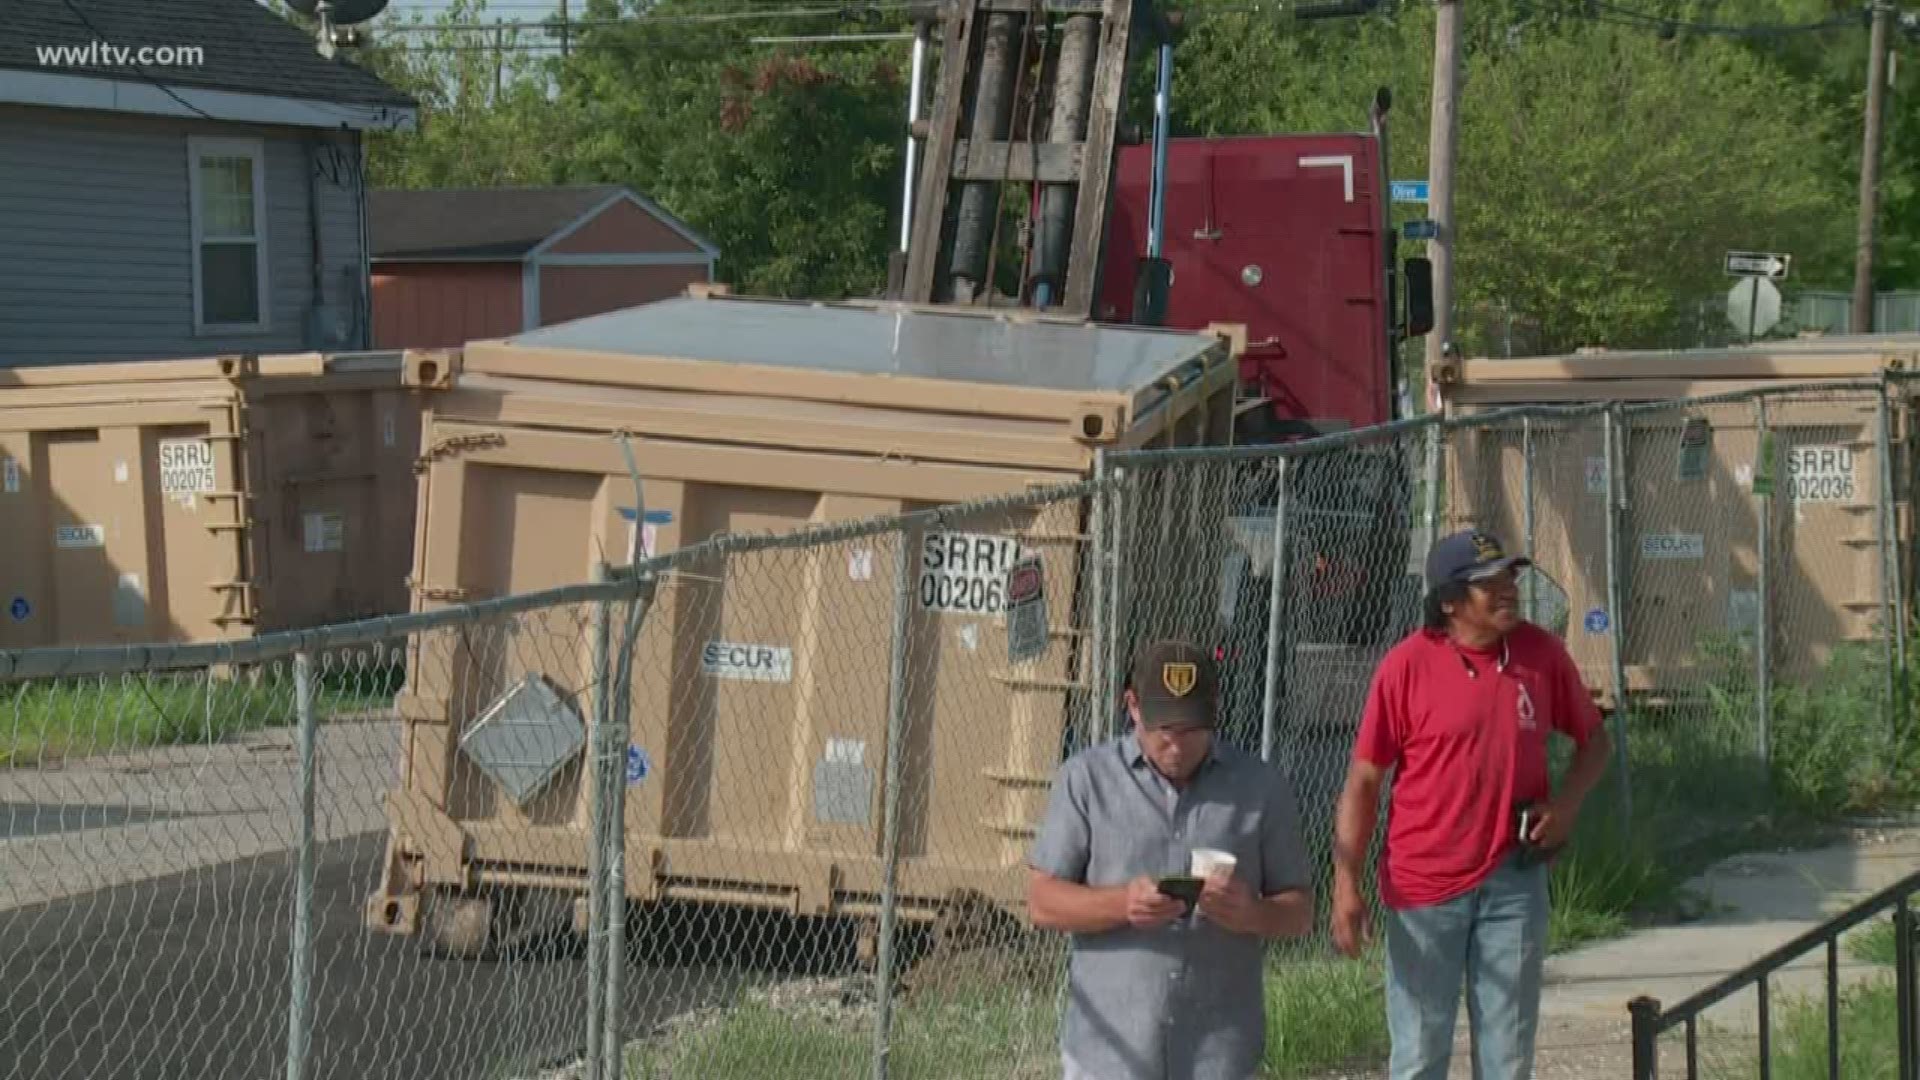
[[1494, 940]]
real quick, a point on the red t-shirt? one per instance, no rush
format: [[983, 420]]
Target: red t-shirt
[[1467, 751]]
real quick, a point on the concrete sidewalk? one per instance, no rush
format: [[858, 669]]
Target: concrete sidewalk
[[1754, 903]]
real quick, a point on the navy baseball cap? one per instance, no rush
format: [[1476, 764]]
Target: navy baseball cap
[[1469, 556]]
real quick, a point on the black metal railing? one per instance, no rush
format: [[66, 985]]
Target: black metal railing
[[1651, 1020]]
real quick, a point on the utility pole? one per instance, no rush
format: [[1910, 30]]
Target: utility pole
[[1443, 137], [565, 34], [1870, 170]]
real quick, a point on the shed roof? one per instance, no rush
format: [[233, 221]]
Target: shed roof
[[486, 224]]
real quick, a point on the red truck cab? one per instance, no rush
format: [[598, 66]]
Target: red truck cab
[[1288, 235]]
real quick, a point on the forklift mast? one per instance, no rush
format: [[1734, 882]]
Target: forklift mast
[[1027, 106]]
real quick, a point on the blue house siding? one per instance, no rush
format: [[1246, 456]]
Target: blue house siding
[[96, 238]]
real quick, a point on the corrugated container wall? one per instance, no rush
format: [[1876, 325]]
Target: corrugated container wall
[[751, 416], [1689, 535], [203, 500]]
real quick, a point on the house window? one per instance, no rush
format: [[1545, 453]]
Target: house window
[[227, 182]]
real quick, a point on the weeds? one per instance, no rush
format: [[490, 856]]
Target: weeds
[[1323, 1014], [55, 719], [1700, 789], [1875, 944]]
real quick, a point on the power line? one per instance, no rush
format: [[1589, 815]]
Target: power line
[[865, 11], [140, 70], [1604, 11]]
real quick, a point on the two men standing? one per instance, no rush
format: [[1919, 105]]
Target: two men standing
[[1458, 714]]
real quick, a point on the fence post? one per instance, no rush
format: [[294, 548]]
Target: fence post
[[1116, 604], [1433, 486], [1894, 632], [1526, 508], [1763, 481], [1276, 599], [597, 1005], [619, 733], [1646, 1037], [890, 813], [1906, 993], [1616, 641], [300, 1008], [1102, 704]]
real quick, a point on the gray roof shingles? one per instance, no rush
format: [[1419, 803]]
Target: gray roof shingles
[[248, 47], [473, 223]]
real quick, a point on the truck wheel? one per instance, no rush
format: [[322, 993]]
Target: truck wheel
[[460, 927]]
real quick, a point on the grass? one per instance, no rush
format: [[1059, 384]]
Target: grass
[[1874, 944], [1321, 1014], [67, 718], [1869, 1024], [1869, 1036], [977, 1030], [1700, 791]]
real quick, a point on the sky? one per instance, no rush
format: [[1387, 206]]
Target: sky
[[528, 10]]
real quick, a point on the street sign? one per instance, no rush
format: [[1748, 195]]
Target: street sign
[[1413, 191], [1753, 306], [1423, 229], [1764, 264]]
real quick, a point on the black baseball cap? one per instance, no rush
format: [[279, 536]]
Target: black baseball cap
[[1469, 556], [1177, 683]]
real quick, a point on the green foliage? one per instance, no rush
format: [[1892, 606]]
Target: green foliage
[[1876, 943], [1323, 1014], [1701, 791], [787, 159], [1603, 168], [69, 718], [1869, 1038], [486, 115]]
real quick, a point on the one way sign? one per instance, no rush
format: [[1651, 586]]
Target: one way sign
[[1757, 264]]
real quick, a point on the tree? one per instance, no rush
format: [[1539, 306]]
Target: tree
[[486, 116], [1603, 169], [788, 161]]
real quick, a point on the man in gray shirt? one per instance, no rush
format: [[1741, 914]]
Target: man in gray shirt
[[1159, 992]]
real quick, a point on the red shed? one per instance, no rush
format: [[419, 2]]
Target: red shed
[[453, 266]]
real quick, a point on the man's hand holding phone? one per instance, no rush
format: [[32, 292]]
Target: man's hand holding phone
[[1148, 907]]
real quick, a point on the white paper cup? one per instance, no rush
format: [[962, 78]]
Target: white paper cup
[[1206, 861]]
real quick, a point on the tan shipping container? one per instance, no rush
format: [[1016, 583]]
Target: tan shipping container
[[1690, 543], [189, 501], [757, 416]]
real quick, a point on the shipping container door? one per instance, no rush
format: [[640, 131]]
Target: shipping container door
[[194, 578], [25, 582], [95, 539]]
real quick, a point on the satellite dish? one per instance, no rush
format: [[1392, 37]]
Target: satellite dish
[[341, 12]]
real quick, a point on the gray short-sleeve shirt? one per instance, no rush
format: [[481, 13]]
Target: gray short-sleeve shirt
[[1183, 1002]]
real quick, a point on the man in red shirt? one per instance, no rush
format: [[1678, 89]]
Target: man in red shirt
[[1459, 713]]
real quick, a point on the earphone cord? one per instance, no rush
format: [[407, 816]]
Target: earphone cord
[[1499, 667]]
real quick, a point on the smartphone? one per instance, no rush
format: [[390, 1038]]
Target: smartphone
[[1182, 887]]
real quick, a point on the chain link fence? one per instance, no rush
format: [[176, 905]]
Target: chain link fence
[[756, 808], [761, 807]]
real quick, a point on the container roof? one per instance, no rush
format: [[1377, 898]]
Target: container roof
[[883, 339]]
